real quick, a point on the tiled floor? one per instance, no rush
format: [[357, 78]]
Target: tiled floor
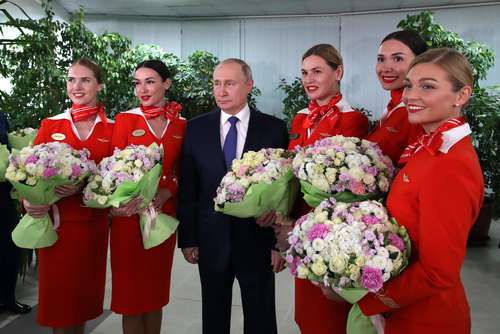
[[480, 274]]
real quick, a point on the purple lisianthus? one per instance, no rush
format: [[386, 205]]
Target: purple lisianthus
[[76, 170], [31, 159], [396, 241], [370, 220], [49, 172], [371, 279]]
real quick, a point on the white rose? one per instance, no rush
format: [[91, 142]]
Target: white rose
[[360, 261], [321, 183], [319, 268], [318, 244], [302, 271], [378, 262], [355, 272], [337, 264], [383, 252]]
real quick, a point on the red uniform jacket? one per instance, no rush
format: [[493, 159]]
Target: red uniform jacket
[[132, 128], [437, 198], [61, 128], [314, 313], [393, 132]]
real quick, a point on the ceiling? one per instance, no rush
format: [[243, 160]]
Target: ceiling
[[221, 8]]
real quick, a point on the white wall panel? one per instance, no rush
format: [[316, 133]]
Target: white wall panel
[[274, 48], [220, 37], [164, 33]]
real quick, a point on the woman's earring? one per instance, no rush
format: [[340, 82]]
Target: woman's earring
[[456, 105]]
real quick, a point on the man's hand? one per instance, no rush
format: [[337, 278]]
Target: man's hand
[[267, 219], [281, 233], [277, 261], [190, 254]]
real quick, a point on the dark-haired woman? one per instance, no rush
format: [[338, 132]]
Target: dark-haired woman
[[393, 132], [72, 272], [141, 278]]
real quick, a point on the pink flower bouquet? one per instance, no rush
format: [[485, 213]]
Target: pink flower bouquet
[[354, 248], [35, 172]]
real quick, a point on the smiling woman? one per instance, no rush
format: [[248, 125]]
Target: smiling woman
[[436, 196], [393, 133]]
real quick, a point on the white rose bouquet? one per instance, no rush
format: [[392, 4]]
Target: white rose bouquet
[[257, 183], [21, 138], [35, 172], [353, 248], [347, 168], [128, 173]]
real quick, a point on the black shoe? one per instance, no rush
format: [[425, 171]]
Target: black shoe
[[18, 308]]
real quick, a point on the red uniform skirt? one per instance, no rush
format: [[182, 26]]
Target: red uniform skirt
[[72, 272], [140, 277], [315, 314]]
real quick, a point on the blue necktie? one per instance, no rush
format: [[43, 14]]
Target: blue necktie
[[230, 142]]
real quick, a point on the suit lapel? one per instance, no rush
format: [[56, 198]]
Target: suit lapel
[[252, 138], [213, 138]]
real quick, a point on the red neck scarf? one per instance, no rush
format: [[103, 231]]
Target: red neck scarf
[[430, 141], [316, 112], [82, 112], [170, 110], [396, 97]]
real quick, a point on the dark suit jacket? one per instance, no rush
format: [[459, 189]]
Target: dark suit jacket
[[5, 200], [222, 239]]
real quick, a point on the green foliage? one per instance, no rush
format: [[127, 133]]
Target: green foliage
[[483, 111], [480, 56], [295, 98], [36, 62]]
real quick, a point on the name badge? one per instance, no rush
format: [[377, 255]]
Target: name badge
[[406, 179], [103, 140], [138, 133], [294, 136], [392, 129], [177, 137], [322, 134], [58, 136]]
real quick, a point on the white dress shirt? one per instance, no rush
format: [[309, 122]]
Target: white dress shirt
[[241, 127]]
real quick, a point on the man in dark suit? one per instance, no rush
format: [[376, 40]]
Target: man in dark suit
[[226, 247], [9, 253]]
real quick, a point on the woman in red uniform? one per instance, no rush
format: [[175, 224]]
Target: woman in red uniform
[[393, 132], [436, 196], [141, 278], [72, 272], [327, 114]]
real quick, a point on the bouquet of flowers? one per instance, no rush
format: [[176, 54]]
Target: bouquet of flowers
[[4, 161], [257, 183], [129, 173], [35, 172], [352, 247], [347, 168], [21, 138]]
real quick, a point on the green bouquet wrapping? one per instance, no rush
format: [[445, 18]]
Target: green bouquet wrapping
[[347, 168], [257, 183], [132, 172], [21, 138], [35, 172], [4, 161]]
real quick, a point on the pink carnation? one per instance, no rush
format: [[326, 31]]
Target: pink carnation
[[371, 279], [318, 231]]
